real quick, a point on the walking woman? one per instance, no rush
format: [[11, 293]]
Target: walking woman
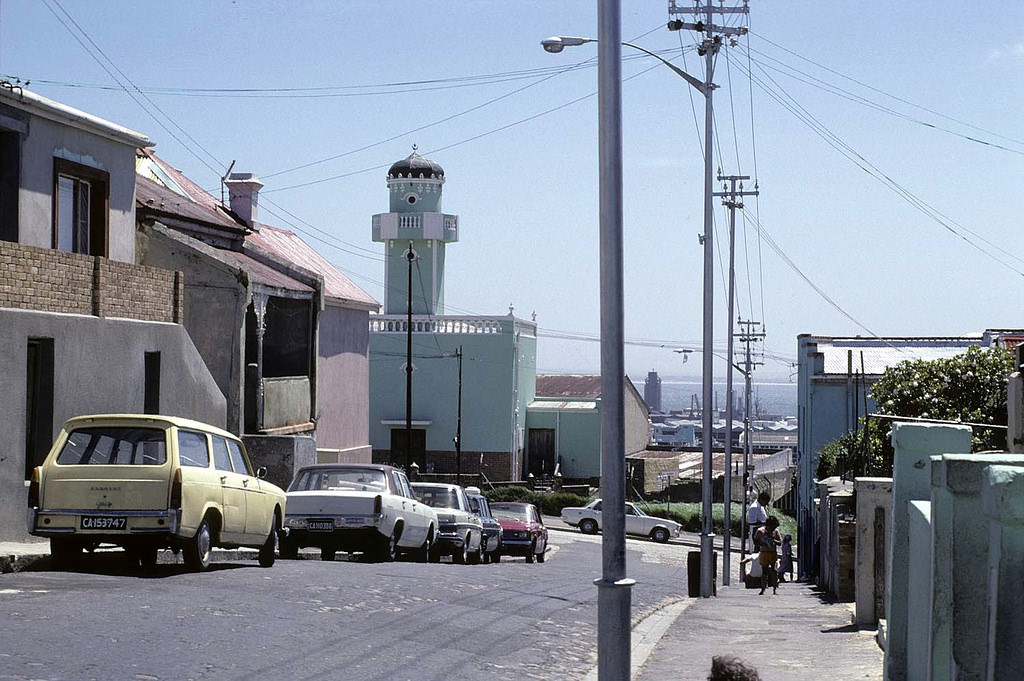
[[767, 539]]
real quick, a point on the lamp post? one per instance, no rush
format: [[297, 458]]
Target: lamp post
[[614, 588], [557, 44]]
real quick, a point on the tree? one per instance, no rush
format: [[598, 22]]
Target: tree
[[969, 388]]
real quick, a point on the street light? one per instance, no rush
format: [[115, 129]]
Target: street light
[[557, 44], [614, 589]]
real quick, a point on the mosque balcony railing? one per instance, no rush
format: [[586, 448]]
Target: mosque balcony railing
[[452, 325], [438, 226]]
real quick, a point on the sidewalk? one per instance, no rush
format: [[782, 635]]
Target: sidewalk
[[795, 635]]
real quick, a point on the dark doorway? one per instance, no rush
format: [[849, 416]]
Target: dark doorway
[[540, 452], [39, 402], [417, 448], [151, 400]]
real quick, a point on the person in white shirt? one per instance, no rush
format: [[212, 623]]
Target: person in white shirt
[[757, 516]]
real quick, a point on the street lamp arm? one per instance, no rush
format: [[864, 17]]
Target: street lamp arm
[[557, 43], [699, 86]]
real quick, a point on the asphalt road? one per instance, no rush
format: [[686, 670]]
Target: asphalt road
[[308, 619]]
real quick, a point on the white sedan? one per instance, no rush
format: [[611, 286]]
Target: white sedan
[[588, 519], [360, 508]]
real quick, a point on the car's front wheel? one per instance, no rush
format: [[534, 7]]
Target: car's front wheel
[[268, 551], [199, 548], [541, 555], [425, 551], [462, 557], [660, 535], [588, 526], [531, 553]]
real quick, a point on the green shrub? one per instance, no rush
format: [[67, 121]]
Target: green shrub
[[512, 493]]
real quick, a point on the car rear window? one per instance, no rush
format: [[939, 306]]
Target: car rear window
[[367, 479], [106, 446]]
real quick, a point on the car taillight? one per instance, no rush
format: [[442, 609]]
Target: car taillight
[[33, 489], [377, 505], [176, 490]]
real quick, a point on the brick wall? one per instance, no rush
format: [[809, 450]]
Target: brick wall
[[48, 280]]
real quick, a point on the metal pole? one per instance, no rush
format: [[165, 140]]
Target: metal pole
[[458, 426], [409, 256], [614, 589], [727, 482], [707, 423]]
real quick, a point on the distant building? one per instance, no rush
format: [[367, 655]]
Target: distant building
[[565, 425], [652, 391]]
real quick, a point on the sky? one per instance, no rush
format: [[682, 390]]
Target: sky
[[885, 140]]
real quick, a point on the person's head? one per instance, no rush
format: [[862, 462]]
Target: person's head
[[788, 538], [729, 668], [764, 498], [772, 523]]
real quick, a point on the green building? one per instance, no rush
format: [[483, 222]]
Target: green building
[[473, 375]]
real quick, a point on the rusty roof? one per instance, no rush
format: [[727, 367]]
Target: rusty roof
[[569, 385], [288, 246]]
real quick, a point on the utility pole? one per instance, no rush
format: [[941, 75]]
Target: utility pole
[[732, 204], [410, 256], [747, 337], [707, 48]]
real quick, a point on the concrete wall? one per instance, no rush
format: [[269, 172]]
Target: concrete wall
[[343, 385], [98, 367], [282, 455], [216, 298], [874, 510], [914, 445], [1002, 497], [919, 591]]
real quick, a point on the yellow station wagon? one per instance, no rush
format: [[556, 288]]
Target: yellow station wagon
[[145, 483]]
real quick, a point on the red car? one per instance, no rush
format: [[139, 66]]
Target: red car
[[522, 530]]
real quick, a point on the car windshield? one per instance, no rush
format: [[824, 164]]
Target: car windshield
[[114, 446], [512, 512], [368, 479], [437, 497]]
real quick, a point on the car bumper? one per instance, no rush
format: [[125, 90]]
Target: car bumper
[[349, 533], [72, 522]]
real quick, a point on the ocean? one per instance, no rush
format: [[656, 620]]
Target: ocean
[[768, 398]]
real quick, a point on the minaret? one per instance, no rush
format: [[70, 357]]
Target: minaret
[[415, 220]]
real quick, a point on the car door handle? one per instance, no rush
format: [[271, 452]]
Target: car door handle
[[245, 482], [223, 479]]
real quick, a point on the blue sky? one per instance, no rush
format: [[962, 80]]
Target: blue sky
[[886, 140]]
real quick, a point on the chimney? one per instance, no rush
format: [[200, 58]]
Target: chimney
[[244, 196]]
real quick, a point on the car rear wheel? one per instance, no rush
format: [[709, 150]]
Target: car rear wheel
[[268, 551], [387, 548], [64, 553], [288, 548], [659, 535], [588, 526], [146, 556], [476, 557], [425, 551], [496, 557], [199, 548]]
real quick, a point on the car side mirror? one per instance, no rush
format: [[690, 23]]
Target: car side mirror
[[261, 472]]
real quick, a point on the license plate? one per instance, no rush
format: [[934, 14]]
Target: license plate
[[104, 522], [320, 525]]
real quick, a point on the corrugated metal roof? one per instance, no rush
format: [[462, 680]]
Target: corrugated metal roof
[[288, 246], [568, 385], [159, 199], [562, 405], [874, 356]]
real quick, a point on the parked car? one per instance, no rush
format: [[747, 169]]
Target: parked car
[[358, 508], [147, 482], [459, 530], [523, 531], [492, 528], [588, 519]]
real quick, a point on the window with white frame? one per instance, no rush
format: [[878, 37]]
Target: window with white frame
[[80, 208]]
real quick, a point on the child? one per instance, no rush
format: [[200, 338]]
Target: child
[[786, 564]]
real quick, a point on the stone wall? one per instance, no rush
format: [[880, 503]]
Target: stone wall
[[48, 280]]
